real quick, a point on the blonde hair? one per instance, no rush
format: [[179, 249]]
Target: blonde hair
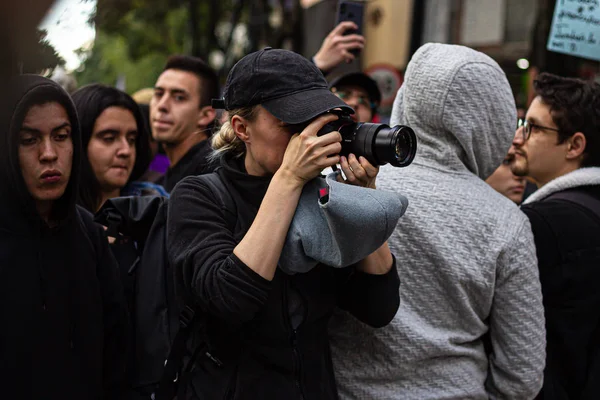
[[226, 141], [143, 96]]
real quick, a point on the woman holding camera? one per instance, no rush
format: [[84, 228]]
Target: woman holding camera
[[267, 330]]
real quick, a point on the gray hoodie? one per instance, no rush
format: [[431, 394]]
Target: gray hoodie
[[465, 254]]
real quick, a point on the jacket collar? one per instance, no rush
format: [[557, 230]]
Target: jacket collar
[[581, 177]]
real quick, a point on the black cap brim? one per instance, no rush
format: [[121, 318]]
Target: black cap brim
[[361, 80], [304, 106]]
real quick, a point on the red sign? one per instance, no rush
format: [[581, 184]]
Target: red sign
[[388, 79]]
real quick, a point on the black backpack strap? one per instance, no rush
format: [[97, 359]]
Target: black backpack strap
[[580, 197], [169, 383], [176, 377], [217, 187]]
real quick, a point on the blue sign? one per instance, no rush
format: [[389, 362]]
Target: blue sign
[[576, 28]]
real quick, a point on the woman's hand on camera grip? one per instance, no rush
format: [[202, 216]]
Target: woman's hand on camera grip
[[358, 171], [308, 154]]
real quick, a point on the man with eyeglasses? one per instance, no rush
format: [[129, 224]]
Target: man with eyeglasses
[[360, 92], [558, 145]]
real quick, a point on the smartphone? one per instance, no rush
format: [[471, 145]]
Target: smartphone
[[351, 11]]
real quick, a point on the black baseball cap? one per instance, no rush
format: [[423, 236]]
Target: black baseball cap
[[361, 80], [286, 84]]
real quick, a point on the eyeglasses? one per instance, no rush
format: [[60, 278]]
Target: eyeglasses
[[528, 126], [346, 95]]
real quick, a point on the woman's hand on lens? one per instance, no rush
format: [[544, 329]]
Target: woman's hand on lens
[[358, 171], [308, 154]]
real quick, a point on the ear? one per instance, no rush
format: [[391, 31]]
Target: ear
[[206, 115], [240, 128], [576, 146]]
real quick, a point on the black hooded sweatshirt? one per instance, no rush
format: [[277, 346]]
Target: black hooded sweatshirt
[[269, 336], [64, 332]]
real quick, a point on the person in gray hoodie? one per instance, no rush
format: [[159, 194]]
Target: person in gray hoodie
[[471, 320]]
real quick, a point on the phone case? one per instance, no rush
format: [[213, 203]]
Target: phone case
[[351, 11]]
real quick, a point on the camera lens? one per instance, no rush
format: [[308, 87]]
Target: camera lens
[[381, 144], [405, 145]]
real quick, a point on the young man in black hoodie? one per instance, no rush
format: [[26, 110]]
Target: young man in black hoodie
[[64, 319]]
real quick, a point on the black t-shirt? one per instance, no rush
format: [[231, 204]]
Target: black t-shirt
[[194, 162]]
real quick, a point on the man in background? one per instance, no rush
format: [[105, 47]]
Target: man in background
[[182, 118], [558, 145], [506, 183], [360, 92]]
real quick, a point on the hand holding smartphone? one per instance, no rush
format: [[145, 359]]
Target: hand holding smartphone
[[345, 41]]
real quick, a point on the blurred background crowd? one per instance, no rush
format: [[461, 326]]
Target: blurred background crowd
[[125, 43]]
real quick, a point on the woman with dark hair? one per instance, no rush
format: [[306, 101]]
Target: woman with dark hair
[[116, 143]]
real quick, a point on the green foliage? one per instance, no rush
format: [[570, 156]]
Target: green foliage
[[133, 40], [109, 60], [162, 25], [135, 37]]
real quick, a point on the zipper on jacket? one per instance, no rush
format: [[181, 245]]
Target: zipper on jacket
[[293, 340], [296, 363]]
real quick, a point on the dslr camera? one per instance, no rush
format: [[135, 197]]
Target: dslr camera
[[380, 144]]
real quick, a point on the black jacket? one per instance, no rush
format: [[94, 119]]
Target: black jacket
[[567, 238], [271, 336], [194, 162], [64, 320]]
